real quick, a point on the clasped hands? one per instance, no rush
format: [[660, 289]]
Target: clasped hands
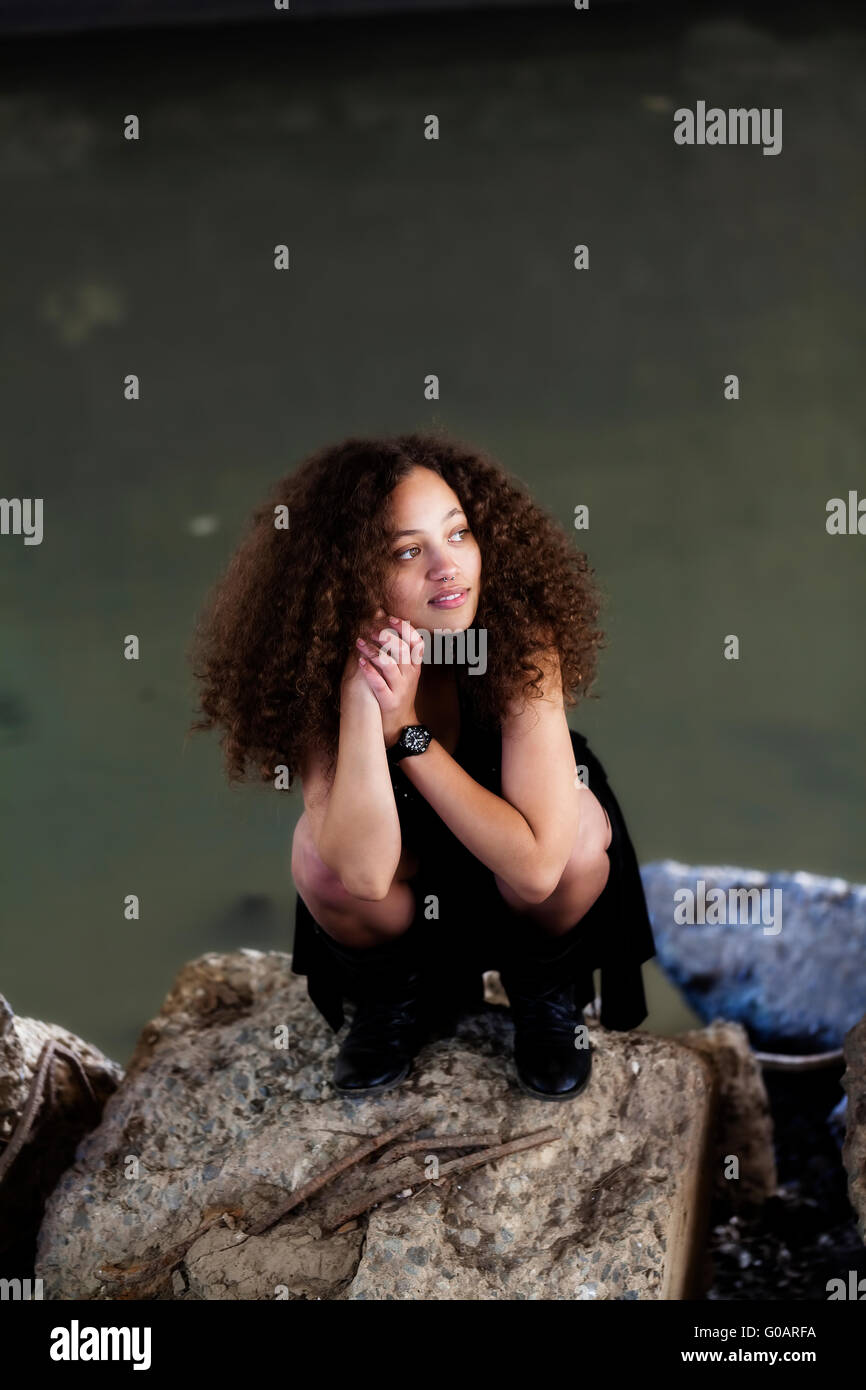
[[387, 658]]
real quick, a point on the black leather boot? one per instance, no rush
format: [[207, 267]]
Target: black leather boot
[[553, 1059], [389, 1022]]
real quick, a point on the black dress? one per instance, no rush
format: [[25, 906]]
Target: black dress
[[460, 906]]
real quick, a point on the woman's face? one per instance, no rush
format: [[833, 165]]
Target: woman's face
[[434, 575]]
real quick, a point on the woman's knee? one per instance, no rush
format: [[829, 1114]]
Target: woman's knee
[[312, 877], [608, 834], [330, 903], [581, 884]]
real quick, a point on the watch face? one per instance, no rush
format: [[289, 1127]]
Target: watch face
[[415, 738]]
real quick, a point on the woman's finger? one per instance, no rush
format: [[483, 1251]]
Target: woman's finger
[[393, 645], [377, 683], [382, 662], [405, 629]]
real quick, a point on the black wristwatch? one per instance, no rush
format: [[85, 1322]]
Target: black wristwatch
[[414, 739]]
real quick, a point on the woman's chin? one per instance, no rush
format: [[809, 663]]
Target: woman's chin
[[458, 620]]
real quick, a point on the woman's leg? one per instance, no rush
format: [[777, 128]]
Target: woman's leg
[[374, 952], [543, 959], [352, 921], [584, 878]]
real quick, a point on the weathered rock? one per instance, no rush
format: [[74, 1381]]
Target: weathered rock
[[213, 1116], [795, 990], [744, 1124], [44, 1102], [854, 1147]]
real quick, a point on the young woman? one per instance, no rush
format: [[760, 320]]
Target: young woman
[[402, 629]]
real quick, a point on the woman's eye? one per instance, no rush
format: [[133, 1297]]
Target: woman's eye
[[412, 550]]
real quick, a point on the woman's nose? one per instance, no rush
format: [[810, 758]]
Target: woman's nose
[[442, 568]]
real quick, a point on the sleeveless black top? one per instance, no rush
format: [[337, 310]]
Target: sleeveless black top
[[616, 932]]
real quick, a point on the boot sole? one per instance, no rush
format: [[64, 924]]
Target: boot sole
[[372, 1090]]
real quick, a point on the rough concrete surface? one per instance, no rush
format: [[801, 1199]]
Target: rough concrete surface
[[744, 1123], [214, 1115], [854, 1146]]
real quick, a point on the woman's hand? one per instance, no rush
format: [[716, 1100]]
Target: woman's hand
[[355, 689], [390, 660]]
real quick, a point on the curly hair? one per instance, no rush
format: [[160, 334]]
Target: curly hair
[[271, 645]]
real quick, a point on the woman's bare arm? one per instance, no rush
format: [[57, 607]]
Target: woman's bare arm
[[526, 835], [354, 819]]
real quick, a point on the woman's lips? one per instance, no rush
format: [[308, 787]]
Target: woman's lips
[[454, 599]]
